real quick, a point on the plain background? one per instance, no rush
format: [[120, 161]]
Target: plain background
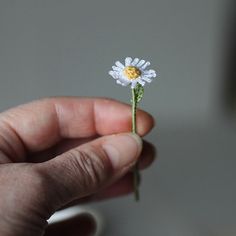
[[54, 48]]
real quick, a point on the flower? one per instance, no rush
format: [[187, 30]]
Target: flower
[[134, 71]]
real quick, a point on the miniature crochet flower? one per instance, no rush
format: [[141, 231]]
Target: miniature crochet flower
[[133, 72]]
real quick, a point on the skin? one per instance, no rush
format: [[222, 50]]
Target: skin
[[61, 151]]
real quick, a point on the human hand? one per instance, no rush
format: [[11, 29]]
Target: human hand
[[58, 150]]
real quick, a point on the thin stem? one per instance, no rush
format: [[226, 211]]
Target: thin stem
[[134, 108], [134, 129]]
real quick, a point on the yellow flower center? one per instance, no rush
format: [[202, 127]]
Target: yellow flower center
[[132, 72]]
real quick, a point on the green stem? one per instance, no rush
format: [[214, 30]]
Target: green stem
[[134, 129], [134, 108]]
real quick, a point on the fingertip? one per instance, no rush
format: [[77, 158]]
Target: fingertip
[[123, 150], [145, 122], [118, 118], [148, 155]]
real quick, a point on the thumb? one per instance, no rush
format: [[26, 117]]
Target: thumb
[[84, 170]]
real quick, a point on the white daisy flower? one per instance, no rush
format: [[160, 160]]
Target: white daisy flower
[[133, 72]]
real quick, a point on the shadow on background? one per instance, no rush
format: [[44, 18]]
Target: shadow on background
[[229, 73], [82, 225]]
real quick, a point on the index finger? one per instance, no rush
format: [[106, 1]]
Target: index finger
[[41, 124]]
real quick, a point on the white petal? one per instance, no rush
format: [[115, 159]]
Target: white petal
[[120, 65], [118, 82], [141, 82], [135, 61], [141, 62], [133, 84], [122, 83], [116, 68], [147, 79], [145, 65], [114, 74], [124, 79], [128, 61], [150, 73]]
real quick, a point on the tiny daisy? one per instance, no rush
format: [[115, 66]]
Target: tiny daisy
[[133, 72]]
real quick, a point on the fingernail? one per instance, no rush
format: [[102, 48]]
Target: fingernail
[[123, 149]]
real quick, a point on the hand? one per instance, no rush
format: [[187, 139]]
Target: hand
[[58, 150]]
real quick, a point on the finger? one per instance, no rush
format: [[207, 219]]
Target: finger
[[41, 124], [124, 185], [146, 157], [59, 148], [121, 187], [90, 167]]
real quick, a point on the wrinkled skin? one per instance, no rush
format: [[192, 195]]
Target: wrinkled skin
[[57, 151]]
